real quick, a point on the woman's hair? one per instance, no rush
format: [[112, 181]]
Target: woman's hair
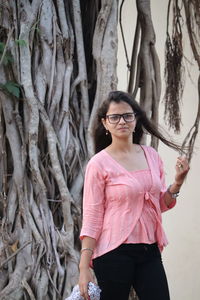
[[101, 140]]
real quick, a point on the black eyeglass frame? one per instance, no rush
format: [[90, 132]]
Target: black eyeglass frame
[[121, 115]]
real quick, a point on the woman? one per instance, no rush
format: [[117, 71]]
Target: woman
[[124, 195]]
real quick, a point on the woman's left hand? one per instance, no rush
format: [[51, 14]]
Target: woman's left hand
[[182, 168]]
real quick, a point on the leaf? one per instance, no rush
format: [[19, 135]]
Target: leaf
[[7, 59], [7, 56], [2, 46], [12, 87], [21, 43]]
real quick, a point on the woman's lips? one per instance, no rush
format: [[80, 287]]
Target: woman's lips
[[122, 128]]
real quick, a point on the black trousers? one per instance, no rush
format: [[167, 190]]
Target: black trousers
[[137, 265]]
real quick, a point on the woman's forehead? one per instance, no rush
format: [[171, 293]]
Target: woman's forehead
[[118, 108]]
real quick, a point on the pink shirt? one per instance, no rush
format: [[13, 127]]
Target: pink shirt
[[113, 201], [145, 228]]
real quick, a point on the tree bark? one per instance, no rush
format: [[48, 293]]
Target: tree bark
[[44, 133]]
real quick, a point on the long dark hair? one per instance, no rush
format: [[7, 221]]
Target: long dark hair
[[101, 140]]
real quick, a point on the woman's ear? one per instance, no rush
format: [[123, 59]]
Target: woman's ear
[[104, 123]]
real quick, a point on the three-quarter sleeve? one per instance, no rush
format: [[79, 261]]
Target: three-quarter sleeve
[[93, 201], [163, 205]]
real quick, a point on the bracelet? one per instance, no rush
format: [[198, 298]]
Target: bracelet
[[87, 249], [173, 195]]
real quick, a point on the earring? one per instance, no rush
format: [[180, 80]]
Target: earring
[[107, 132]]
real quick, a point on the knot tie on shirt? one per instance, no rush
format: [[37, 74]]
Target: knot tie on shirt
[[146, 196]]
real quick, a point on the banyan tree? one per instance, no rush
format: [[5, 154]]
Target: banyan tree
[[58, 62]]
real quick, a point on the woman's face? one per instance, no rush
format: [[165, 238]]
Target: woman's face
[[120, 120]]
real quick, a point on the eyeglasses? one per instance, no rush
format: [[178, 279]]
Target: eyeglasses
[[115, 118]]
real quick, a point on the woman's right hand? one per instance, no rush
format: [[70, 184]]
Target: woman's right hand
[[84, 278]]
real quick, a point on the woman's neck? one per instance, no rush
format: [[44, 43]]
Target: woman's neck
[[121, 146]]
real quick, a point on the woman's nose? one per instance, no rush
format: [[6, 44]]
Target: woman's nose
[[121, 120]]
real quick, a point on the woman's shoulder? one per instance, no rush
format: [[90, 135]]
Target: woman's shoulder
[[98, 164], [151, 151], [97, 159]]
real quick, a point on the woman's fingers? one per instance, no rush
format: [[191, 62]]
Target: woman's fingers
[[182, 168], [182, 164], [84, 291]]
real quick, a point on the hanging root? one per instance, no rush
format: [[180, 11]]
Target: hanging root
[[174, 70]]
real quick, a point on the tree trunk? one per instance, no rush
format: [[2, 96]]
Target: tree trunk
[[44, 132]]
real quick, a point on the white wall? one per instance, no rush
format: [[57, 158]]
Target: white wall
[[182, 224]]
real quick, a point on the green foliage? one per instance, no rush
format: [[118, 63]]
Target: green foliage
[[2, 46], [21, 43], [12, 88], [7, 59], [7, 56]]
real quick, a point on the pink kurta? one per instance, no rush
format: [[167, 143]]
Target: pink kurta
[[145, 229], [113, 202]]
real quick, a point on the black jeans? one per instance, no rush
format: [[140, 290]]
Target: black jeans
[[137, 265]]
